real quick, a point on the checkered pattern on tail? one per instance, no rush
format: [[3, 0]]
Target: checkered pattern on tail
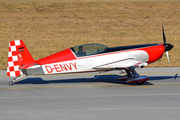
[[13, 59]]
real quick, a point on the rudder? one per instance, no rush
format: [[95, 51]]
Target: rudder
[[18, 56]]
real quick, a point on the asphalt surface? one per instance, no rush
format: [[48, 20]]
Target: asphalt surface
[[92, 97]]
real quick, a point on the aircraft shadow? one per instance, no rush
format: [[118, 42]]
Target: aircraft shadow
[[100, 78]]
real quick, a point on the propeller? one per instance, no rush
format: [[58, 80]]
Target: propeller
[[167, 46]]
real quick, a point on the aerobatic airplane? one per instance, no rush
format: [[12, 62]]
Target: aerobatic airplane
[[86, 58]]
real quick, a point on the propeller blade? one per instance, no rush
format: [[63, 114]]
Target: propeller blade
[[164, 37], [168, 58]]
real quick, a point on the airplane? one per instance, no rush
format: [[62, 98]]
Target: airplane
[[86, 58]]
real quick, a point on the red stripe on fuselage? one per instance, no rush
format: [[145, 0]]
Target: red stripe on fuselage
[[154, 52], [61, 56]]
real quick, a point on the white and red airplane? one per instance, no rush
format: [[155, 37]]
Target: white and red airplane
[[85, 58]]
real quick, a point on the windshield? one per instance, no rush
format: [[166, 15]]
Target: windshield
[[88, 49]]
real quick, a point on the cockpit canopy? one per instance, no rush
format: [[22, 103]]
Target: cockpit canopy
[[88, 49]]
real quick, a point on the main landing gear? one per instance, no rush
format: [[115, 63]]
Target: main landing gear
[[15, 79], [133, 77]]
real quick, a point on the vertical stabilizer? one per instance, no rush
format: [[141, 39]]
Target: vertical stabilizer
[[18, 56]]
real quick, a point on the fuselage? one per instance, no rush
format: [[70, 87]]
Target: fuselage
[[68, 62]]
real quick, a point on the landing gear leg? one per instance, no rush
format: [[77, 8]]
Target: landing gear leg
[[131, 74], [128, 73], [132, 70], [15, 79], [135, 77]]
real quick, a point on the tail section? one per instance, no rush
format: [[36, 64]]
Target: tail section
[[18, 56]]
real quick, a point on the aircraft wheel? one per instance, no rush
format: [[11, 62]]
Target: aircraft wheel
[[140, 83], [11, 84]]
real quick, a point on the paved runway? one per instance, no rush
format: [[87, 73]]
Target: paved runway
[[92, 97]]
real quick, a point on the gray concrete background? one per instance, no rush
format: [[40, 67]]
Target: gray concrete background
[[80, 97]]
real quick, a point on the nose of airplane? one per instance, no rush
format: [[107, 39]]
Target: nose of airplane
[[168, 46]]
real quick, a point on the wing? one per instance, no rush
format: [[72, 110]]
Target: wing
[[122, 64]]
